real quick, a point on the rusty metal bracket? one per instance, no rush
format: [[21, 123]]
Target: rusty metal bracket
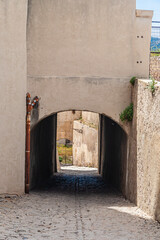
[[29, 106]]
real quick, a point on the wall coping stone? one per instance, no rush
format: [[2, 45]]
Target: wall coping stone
[[144, 13], [148, 81]]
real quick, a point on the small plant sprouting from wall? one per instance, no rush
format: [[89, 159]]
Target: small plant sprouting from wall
[[132, 81], [152, 86], [127, 114]]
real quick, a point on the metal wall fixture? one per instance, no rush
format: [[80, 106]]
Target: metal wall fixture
[[29, 106]]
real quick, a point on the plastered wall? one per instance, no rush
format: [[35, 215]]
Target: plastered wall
[[100, 95], [80, 38], [80, 57], [13, 17], [142, 39]]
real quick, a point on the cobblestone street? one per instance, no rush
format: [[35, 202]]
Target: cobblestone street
[[74, 205]]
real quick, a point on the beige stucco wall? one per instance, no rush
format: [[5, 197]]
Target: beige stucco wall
[[13, 16], [80, 57], [80, 37], [101, 95], [148, 149], [85, 145], [142, 39]]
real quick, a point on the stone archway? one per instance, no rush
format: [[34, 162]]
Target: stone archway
[[113, 146]]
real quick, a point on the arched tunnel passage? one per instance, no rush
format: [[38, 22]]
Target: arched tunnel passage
[[43, 151], [112, 152]]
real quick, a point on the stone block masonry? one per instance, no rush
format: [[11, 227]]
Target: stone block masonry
[[155, 67], [65, 124], [85, 145]]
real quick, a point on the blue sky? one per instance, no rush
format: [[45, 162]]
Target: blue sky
[[150, 5]]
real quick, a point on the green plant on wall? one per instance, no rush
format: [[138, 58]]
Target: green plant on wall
[[132, 81], [152, 85], [127, 114], [60, 159]]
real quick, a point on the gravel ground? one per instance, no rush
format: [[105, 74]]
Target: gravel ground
[[74, 205]]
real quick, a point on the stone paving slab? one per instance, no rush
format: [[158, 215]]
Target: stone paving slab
[[74, 205]]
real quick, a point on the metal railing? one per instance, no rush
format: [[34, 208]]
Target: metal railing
[[155, 37]]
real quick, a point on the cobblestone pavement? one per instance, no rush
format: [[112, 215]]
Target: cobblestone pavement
[[74, 205]]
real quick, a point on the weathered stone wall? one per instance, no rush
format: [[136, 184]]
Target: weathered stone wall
[[43, 151], [65, 124], [90, 117], [148, 149], [85, 145], [13, 17], [131, 167], [155, 67]]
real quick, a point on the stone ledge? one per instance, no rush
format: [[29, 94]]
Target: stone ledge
[[149, 81], [144, 13]]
